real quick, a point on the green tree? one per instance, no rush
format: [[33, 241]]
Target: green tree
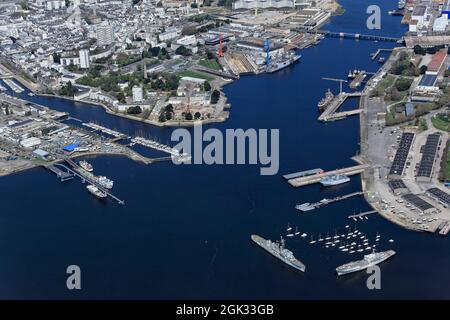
[[182, 50], [215, 96], [423, 69], [206, 86], [403, 84]]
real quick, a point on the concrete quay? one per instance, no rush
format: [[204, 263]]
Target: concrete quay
[[303, 181]]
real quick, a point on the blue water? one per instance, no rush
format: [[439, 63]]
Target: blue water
[[185, 230]]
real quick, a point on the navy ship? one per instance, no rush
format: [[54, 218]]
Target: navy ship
[[276, 66], [278, 250], [324, 102], [305, 207], [369, 260], [334, 180]]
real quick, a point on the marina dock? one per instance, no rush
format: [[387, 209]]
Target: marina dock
[[444, 228], [325, 201], [331, 114], [373, 56], [304, 181], [117, 135], [362, 214], [357, 81], [302, 173]]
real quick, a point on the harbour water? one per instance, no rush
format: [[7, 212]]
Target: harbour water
[[185, 230]]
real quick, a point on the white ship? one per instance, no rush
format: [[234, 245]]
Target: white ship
[[369, 260], [86, 166], [334, 180], [305, 207], [105, 182], [96, 191]]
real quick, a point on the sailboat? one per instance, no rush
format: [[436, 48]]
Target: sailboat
[[289, 228], [296, 231], [320, 238], [312, 240], [328, 237]]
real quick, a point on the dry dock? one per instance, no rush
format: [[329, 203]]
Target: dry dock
[[304, 181]]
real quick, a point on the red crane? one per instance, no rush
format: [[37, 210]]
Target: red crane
[[220, 46]]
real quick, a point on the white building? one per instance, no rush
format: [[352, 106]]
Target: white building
[[138, 94], [30, 142], [187, 41], [105, 35], [67, 61], [440, 24], [263, 4], [170, 34], [55, 4], [84, 59]]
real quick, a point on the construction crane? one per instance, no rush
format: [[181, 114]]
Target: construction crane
[[337, 80], [267, 51]]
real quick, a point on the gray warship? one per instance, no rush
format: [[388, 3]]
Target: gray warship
[[278, 250], [368, 261]]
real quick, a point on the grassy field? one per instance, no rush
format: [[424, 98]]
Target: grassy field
[[445, 169], [195, 74], [210, 64], [441, 121]]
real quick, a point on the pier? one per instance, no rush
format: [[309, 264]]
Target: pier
[[444, 228], [330, 113], [325, 201], [62, 172], [117, 135], [161, 147], [373, 56], [349, 171], [65, 173], [302, 173], [363, 214], [356, 82], [357, 36]]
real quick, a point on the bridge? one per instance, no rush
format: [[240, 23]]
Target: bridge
[[356, 36], [304, 181]]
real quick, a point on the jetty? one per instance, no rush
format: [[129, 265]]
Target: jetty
[[331, 114], [65, 173], [326, 201], [374, 55], [304, 181], [362, 214]]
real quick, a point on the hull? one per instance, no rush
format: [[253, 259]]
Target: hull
[[305, 207], [295, 263], [96, 192], [282, 65], [327, 183], [364, 264]]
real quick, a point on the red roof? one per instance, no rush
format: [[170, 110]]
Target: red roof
[[437, 60]]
